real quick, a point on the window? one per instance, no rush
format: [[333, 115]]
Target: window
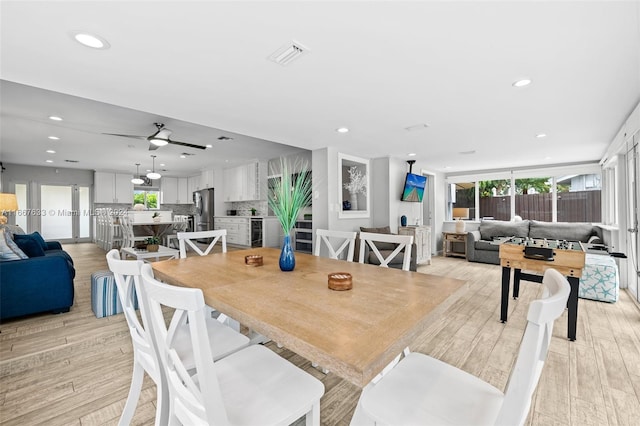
[[495, 201], [464, 200], [553, 194], [534, 199], [579, 198], [148, 198]]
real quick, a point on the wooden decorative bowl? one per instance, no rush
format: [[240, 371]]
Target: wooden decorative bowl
[[340, 281], [253, 260]]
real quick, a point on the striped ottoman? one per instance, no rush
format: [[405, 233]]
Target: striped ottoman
[[104, 294]]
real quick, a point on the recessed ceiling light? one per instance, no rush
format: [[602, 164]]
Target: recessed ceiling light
[[521, 83], [48, 161], [50, 151], [342, 130], [90, 40], [183, 156], [547, 158], [541, 135], [447, 167], [411, 154], [209, 146], [55, 118], [54, 138], [162, 164]]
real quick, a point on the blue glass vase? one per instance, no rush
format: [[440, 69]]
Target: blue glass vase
[[287, 258]]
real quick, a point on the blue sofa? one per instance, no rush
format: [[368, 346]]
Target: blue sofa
[[38, 284]]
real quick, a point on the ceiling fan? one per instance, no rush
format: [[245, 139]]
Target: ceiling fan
[[160, 138]]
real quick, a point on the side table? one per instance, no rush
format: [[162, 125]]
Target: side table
[[452, 239]]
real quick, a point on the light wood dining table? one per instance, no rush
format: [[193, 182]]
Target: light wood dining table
[[353, 333]]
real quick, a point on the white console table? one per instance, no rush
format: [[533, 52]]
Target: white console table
[[422, 239]]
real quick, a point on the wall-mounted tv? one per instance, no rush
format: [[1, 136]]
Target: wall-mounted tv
[[413, 188]]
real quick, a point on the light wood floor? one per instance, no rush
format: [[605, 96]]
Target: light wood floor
[[74, 369]]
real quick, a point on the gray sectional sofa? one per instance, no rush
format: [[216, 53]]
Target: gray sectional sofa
[[480, 246]]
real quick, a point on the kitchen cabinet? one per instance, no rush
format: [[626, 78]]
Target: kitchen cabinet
[[245, 183], [422, 240], [207, 179], [238, 229], [113, 188], [175, 191], [193, 184]]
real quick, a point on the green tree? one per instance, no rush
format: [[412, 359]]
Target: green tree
[[152, 201], [541, 185]]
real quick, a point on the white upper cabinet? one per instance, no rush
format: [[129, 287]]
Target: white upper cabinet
[[113, 188], [244, 183], [176, 191], [207, 179]]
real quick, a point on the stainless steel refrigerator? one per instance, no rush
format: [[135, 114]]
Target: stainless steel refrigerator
[[203, 202]]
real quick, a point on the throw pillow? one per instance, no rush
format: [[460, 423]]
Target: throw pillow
[[40, 240], [29, 245], [9, 250], [381, 230]]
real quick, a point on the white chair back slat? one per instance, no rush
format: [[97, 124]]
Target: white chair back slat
[[403, 242], [190, 238], [325, 236]]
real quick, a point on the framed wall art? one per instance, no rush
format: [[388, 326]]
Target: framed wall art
[[353, 187]]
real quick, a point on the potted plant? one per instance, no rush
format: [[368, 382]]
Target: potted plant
[[156, 217], [253, 211], [153, 243], [286, 197]]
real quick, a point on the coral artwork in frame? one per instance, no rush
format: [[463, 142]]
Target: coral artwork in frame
[[353, 187]]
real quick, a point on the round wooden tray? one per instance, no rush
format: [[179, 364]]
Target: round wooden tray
[[340, 281], [253, 260]]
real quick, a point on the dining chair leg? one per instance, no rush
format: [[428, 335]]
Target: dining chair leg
[[134, 395]]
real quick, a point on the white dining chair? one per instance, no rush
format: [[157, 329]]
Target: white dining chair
[[402, 242], [129, 239], [424, 390], [180, 225], [327, 237], [190, 239], [224, 339], [253, 386]]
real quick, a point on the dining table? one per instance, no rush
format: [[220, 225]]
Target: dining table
[[353, 333]]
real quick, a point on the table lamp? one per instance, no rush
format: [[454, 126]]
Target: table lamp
[[8, 203], [460, 213]]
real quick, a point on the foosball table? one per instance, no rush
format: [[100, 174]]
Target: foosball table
[[538, 255]]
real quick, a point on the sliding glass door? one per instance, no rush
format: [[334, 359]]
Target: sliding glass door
[[633, 236], [65, 213]]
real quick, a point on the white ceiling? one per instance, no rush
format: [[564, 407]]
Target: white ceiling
[[375, 67]]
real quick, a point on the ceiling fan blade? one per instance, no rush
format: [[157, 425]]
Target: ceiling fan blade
[[153, 147], [126, 136], [190, 145]]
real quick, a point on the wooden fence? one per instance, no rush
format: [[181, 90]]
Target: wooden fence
[[578, 206]]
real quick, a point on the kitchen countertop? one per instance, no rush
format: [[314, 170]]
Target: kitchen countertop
[[247, 217]]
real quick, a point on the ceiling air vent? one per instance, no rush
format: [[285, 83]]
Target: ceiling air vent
[[224, 138], [288, 53], [71, 161]]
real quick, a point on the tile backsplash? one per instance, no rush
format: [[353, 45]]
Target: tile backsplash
[[244, 207]]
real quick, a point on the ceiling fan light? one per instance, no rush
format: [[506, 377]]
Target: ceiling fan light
[[154, 175], [159, 142]]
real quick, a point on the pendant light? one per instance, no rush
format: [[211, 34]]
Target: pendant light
[[136, 179], [152, 174]]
